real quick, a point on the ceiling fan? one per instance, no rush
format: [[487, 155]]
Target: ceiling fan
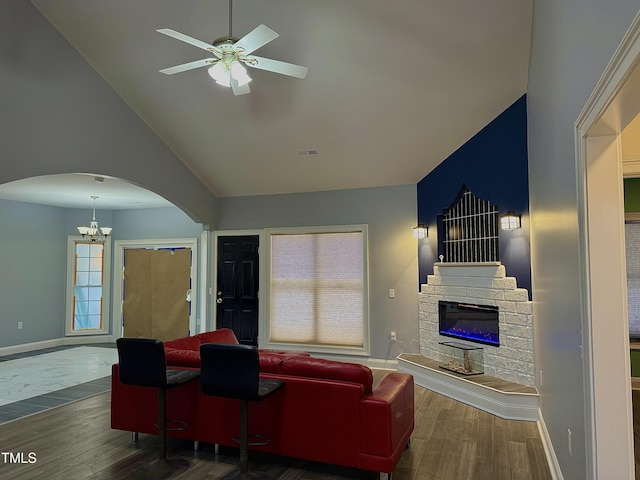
[[231, 55]]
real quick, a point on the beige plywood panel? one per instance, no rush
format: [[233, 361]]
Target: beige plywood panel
[[156, 283], [171, 273], [136, 304]]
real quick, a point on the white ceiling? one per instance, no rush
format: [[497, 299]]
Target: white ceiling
[[76, 189], [393, 87]]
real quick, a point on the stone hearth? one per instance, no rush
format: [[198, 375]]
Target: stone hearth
[[505, 399]]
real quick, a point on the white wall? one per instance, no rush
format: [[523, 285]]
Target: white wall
[[572, 42], [390, 213]]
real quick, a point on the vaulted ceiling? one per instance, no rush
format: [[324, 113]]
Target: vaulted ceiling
[[393, 87]]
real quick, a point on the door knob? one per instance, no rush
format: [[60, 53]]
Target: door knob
[[218, 300]]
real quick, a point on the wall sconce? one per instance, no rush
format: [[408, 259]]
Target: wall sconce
[[510, 221], [420, 231]]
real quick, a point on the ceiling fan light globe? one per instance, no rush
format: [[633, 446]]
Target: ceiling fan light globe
[[224, 81], [243, 81], [237, 70], [218, 72], [239, 73]]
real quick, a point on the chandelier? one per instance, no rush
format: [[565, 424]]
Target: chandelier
[[93, 232]]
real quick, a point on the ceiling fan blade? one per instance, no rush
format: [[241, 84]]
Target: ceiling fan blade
[[239, 89], [277, 66], [189, 66], [190, 40], [256, 38]]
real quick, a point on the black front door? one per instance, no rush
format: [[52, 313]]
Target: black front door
[[237, 295]]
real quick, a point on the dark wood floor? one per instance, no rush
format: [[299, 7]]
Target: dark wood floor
[[451, 441]]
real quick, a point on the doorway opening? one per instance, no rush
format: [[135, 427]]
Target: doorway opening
[[237, 286], [184, 293], [613, 105]]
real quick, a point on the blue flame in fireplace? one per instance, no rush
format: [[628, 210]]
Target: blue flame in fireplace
[[476, 323]]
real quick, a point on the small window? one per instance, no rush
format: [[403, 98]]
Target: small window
[[318, 292], [86, 288]]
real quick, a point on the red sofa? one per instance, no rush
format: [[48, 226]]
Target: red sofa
[[328, 411], [185, 352]]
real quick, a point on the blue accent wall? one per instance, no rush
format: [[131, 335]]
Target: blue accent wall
[[494, 165]]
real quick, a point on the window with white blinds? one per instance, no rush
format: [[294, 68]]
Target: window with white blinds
[[632, 243], [318, 288]]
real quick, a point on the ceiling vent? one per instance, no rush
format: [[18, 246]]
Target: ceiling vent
[[310, 151]]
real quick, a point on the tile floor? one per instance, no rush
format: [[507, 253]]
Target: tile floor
[[31, 382]]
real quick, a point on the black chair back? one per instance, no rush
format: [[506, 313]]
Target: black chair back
[[142, 362], [231, 371]]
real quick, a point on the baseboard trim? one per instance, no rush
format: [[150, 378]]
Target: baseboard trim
[[379, 363], [56, 342], [79, 340], [28, 347], [382, 364], [552, 460]]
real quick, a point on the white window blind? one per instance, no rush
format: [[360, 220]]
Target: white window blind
[[318, 289], [632, 242]]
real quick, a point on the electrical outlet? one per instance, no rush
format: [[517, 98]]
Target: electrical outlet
[[392, 293], [569, 441], [393, 336], [19, 325]]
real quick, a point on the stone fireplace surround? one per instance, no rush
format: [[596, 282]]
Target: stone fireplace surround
[[482, 284]]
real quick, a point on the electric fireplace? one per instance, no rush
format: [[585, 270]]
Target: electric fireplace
[[475, 323]]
